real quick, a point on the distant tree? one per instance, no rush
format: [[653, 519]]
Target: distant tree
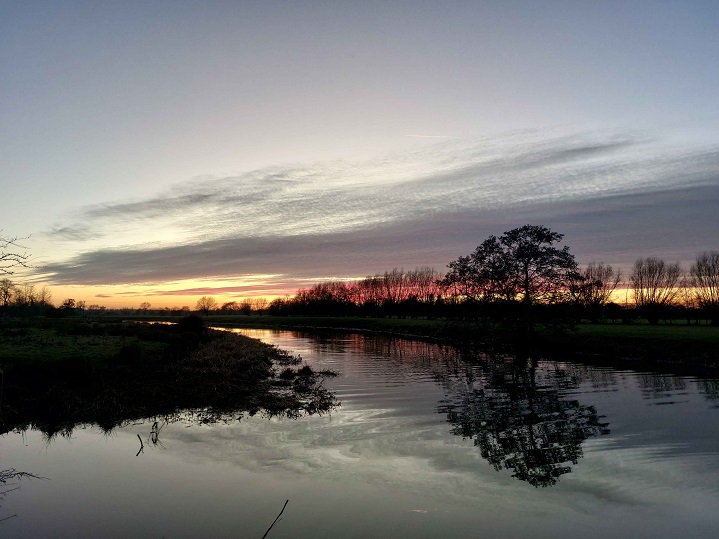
[[230, 306], [25, 296], [11, 255], [96, 310], [68, 304], [7, 290], [655, 286], [145, 306], [246, 307], [704, 280], [594, 288], [206, 304], [44, 296], [423, 284], [259, 304]]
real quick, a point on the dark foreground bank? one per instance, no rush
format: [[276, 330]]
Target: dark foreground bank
[[56, 375]]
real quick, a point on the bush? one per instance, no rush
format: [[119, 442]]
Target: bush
[[193, 324]]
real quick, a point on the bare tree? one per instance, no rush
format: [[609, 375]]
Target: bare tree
[[7, 290], [26, 296], [595, 286], [44, 296], [206, 304], [655, 285], [230, 306], [11, 255], [259, 304], [704, 281]]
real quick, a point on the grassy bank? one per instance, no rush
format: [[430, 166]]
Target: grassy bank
[[56, 375]]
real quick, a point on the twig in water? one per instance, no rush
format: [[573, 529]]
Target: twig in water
[[142, 446], [276, 519]]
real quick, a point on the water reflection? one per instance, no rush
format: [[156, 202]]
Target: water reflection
[[520, 422], [526, 418], [387, 464], [519, 414], [710, 389]]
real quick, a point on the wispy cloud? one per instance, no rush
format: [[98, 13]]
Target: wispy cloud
[[431, 136], [421, 207]]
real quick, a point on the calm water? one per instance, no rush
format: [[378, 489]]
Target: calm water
[[423, 445]]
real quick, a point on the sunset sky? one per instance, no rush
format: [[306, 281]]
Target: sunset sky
[[161, 151]]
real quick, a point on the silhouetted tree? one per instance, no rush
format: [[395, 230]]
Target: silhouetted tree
[[655, 286], [511, 274], [594, 288], [44, 296], [521, 265], [230, 307], [206, 304], [7, 290], [704, 281]]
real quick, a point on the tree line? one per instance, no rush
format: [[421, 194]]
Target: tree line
[[522, 274]]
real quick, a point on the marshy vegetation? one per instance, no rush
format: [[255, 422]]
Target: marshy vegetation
[[57, 374]]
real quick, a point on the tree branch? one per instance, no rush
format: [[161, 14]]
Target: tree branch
[[276, 519], [12, 255]]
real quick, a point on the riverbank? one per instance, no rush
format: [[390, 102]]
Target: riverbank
[[676, 347], [60, 374]]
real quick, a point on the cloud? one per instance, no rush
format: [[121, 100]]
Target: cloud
[[148, 209], [79, 232], [430, 136], [615, 196]]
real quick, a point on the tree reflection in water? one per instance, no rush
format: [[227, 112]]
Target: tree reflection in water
[[520, 421]]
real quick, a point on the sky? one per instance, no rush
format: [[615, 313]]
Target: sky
[[161, 151]]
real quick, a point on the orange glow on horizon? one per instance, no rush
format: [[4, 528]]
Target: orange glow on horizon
[[171, 295], [178, 294]]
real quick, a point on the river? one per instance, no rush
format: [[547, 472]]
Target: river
[[424, 444]]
